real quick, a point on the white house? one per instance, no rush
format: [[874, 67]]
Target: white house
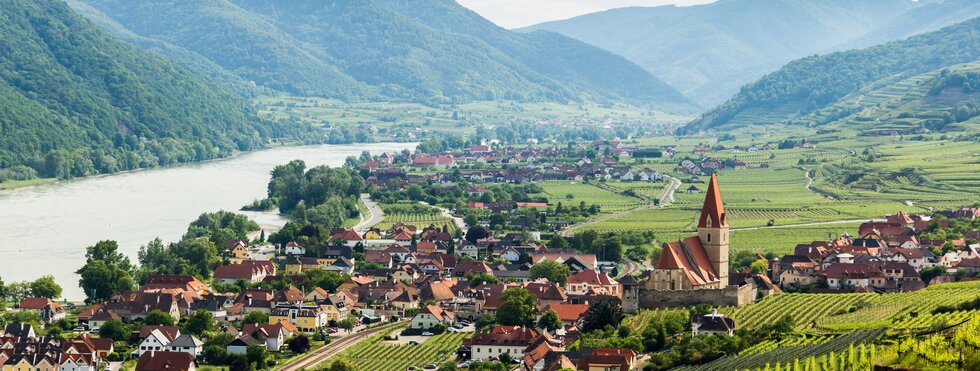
[[714, 323], [293, 248], [186, 343], [430, 316], [156, 340], [77, 362], [511, 254], [502, 339]]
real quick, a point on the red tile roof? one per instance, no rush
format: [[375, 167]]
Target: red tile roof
[[568, 312], [165, 361], [690, 256], [591, 277]]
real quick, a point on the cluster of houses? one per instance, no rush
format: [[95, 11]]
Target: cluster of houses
[[885, 256], [22, 349]]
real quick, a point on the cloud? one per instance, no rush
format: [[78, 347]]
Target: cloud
[[521, 13]]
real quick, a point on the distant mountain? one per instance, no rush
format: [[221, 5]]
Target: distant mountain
[[75, 101], [810, 84], [709, 51], [418, 50]]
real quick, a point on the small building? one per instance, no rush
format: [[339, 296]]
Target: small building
[[432, 315], [714, 323]]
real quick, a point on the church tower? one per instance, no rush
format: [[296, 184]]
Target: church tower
[[713, 230]]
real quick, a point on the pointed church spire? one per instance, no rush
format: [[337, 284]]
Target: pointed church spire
[[713, 211]]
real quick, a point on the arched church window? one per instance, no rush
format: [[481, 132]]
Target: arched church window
[[709, 237]]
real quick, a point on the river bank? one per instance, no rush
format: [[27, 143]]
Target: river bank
[[46, 228]]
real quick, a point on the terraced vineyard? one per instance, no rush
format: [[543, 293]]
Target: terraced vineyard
[[806, 309], [851, 351], [376, 354], [909, 311], [783, 240]]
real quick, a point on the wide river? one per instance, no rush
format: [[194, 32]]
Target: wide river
[[45, 229]]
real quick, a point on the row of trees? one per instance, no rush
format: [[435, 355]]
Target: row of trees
[[44, 287]]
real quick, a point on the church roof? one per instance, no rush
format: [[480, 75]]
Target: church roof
[[713, 211], [690, 256]]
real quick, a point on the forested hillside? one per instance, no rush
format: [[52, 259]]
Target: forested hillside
[[809, 84], [432, 51], [74, 101], [709, 51]]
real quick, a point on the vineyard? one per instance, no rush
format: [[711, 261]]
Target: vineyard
[[609, 202], [850, 350], [906, 311], [377, 354], [419, 215]]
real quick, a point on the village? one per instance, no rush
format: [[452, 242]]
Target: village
[[520, 300]]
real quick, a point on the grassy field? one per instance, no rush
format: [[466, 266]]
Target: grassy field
[[573, 193], [12, 184]]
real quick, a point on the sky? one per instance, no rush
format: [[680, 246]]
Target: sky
[[520, 13]]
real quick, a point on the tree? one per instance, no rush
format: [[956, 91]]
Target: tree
[[483, 278], [256, 317], [447, 366], [476, 233], [928, 273], [199, 323], [106, 272], [114, 329], [256, 355], [518, 308], [157, 317], [552, 270], [347, 324], [45, 287], [760, 266], [602, 313], [549, 321], [299, 344], [342, 365]]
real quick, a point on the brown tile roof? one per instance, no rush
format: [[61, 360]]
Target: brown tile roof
[[568, 312], [35, 303], [591, 277], [171, 332]]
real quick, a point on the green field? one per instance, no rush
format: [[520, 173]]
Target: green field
[[609, 202], [12, 184], [419, 220], [377, 354]]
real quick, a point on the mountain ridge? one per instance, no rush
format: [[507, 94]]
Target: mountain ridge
[[419, 50]]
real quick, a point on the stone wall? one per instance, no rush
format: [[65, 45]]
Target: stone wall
[[730, 296]]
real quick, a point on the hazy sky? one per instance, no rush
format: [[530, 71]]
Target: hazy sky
[[520, 13]]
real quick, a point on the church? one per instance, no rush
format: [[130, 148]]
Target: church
[[693, 270], [697, 262]]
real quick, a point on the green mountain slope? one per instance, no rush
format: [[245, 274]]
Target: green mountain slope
[[74, 101], [420, 50], [709, 51], [810, 84]]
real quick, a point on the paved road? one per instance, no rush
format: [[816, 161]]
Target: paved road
[[323, 353], [376, 214], [631, 267], [672, 186]]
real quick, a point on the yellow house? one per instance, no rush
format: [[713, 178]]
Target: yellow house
[[306, 318], [239, 254], [335, 310], [293, 267], [372, 234], [43, 364]]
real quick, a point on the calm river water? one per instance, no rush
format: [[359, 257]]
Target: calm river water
[[45, 229]]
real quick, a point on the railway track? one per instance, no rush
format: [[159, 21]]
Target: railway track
[[325, 352]]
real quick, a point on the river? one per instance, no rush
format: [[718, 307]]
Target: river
[[45, 229]]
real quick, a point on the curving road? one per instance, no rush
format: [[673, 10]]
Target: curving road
[[320, 355], [672, 186], [376, 214]]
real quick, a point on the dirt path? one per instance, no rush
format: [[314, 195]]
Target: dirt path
[[803, 224], [574, 227]]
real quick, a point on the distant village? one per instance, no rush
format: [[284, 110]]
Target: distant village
[[437, 281]]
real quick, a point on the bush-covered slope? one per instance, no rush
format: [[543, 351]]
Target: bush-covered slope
[[419, 50], [74, 101], [809, 84]]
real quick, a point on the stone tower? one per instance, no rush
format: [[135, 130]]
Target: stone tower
[[713, 230]]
